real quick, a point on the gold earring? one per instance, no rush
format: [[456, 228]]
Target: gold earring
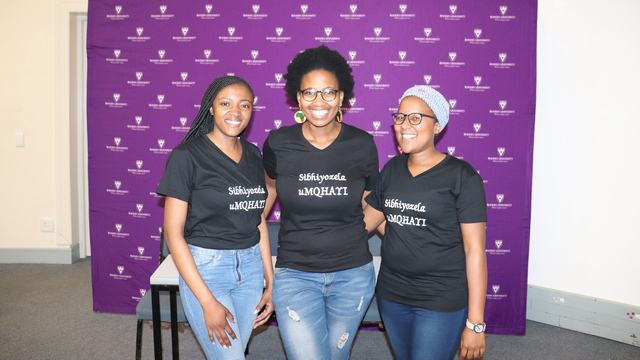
[[299, 117], [339, 116]]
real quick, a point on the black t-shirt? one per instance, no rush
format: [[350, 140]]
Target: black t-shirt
[[322, 227], [423, 259], [225, 198]]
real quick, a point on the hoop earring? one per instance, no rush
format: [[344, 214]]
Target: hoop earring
[[299, 117], [339, 116]]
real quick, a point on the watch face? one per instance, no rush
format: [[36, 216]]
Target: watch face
[[478, 328]]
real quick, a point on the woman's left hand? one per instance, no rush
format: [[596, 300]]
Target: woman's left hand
[[471, 345], [264, 308]]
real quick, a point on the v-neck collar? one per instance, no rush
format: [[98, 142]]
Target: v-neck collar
[[225, 156], [310, 145], [426, 172]]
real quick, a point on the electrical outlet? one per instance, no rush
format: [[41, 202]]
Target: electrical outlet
[[46, 225]]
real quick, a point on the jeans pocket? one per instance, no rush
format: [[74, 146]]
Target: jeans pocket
[[204, 259], [256, 251], [366, 267], [280, 271]]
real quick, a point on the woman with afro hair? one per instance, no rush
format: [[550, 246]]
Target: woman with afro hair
[[321, 168]]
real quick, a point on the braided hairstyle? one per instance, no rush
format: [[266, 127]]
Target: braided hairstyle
[[319, 58], [203, 123]]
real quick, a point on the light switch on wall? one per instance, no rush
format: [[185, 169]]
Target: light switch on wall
[[19, 139]]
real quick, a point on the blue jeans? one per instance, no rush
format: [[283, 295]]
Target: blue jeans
[[319, 313], [417, 333], [236, 280]]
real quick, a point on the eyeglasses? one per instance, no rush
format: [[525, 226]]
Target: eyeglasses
[[414, 118], [310, 95]]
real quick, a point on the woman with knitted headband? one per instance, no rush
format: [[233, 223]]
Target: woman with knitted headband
[[215, 193], [433, 277], [321, 168]]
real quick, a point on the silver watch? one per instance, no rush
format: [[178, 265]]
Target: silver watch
[[477, 328]]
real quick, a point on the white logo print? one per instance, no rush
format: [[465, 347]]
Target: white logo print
[[184, 76], [427, 32], [120, 269], [277, 214], [452, 56], [352, 101], [231, 30], [304, 8], [208, 7], [427, 79], [453, 9], [163, 8], [478, 80], [185, 31], [453, 103], [277, 123], [327, 31], [116, 97], [118, 227], [255, 100], [278, 77], [377, 30], [503, 9], [139, 207], [255, 8], [500, 197], [498, 244], [139, 31], [451, 149], [403, 8], [477, 127], [353, 8], [139, 164], [117, 141], [254, 54], [402, 54], [503, 104], [279, 31], [183, 120], [478, 32], [495, 288], [376, 125], [161, 53], [138, 119], [161, 143], [377, 77], [160, 98], [501, 151], [207, 53], [352, 55], [141, 251], [117, 184], [118, 9], [139, 75], [117, 52], [503, 56]]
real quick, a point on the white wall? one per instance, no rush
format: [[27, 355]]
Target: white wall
[[586, 172], [585, 161]]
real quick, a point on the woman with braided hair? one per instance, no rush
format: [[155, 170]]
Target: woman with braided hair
[[215, 194]]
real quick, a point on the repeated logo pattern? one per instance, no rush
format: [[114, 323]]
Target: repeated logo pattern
[[151, 63]]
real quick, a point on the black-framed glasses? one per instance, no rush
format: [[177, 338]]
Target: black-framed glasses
[[414, 118], [327, 94]]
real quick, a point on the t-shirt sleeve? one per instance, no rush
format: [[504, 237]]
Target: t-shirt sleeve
[[372, 168], [176, 180], [269, 159], [471, 204]]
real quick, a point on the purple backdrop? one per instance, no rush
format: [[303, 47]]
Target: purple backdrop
[[150, 64]]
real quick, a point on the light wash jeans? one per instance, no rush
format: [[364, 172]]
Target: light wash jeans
[[319, 313], [235, 278], [420, 334]]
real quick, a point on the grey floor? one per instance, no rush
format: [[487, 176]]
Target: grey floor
[[46, 313]]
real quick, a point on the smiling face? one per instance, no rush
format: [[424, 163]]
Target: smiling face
[[320, 112], [416, 138], [231, 110]]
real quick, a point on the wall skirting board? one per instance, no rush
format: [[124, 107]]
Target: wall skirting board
[[607, 319], [59, 255]]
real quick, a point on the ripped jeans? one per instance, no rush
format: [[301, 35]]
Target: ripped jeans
[[319, 313]]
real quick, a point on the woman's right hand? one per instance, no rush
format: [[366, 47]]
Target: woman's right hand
[[215, 318]]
